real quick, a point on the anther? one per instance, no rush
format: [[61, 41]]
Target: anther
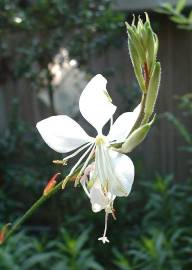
[[60, 162]]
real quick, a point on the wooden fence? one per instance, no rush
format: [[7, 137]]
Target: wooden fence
[[160, 151]]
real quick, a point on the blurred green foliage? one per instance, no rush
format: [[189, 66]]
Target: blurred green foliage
[[156, 236], [180, 123], [65, 252], [176, 14]]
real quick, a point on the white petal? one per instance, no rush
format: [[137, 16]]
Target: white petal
[[97, 198], [123, 170], [123, 125], [94, 103], [62, 133]]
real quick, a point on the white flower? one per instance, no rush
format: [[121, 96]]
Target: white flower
[[113, 172]]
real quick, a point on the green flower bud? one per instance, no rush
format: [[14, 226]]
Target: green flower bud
[[136, 137]]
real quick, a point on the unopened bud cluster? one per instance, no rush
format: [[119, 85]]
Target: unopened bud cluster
[[143, 47]]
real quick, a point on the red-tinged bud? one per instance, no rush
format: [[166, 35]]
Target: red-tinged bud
[[2, 237], [3, 232], [50, 185]]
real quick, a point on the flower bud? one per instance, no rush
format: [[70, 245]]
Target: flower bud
[[50, 185], [3, 232], [136, 137], [2, 237]]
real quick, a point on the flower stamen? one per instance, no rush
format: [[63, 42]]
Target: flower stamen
[[66, 179], [85, 165], [77, 151]]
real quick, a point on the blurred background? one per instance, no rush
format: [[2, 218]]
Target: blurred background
[[48, 52]]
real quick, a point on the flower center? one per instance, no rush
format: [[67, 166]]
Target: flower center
[[100, 139]]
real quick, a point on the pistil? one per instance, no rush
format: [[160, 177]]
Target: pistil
[[104, 238]]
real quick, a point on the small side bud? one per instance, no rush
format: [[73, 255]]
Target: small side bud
[[50, 185], [136, 137], [3, 233]]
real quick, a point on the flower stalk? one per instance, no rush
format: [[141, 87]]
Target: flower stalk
[[35, 206], [31, 210]]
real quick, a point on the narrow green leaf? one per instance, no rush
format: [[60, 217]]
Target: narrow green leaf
[[181, 128], [190, 17], [180, 5], [179, 19]]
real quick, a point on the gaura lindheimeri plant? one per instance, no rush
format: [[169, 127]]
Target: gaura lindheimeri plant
[[104, 170], [105, 173]]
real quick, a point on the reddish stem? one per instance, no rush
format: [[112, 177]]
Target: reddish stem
[[146, 75]]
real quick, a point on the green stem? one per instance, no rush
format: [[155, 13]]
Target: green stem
[[143, 100], [37, 204], [141, 114], [32, 209]]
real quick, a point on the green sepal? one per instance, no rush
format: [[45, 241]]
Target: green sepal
[[136, 137], [139, 26], [143, 35]]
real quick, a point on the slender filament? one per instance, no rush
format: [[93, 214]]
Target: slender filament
[[75, 166]]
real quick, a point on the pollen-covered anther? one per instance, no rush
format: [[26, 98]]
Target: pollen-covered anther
[[50, 185], [60, 162]]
